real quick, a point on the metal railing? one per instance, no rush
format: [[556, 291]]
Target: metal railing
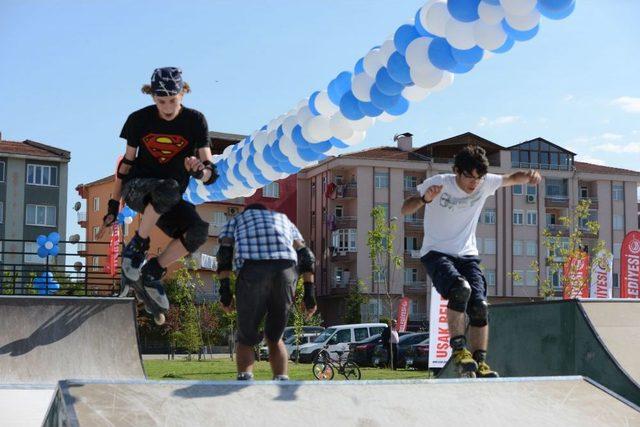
[[413, 253]]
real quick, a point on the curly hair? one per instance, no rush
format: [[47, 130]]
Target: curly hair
[[146, 89], [470, 158]]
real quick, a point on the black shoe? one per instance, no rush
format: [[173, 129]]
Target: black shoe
[[133, 257]]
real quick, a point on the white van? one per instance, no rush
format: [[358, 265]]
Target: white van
[[337, 338]]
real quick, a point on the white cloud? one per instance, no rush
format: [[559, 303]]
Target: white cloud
[[580, 140], [608, 136], [568, 97], [498, 121], [588, 159], [632, 147], [627, 103]]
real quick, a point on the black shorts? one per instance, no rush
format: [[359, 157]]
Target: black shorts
[[175, 222], [444, 270], [264, 287]]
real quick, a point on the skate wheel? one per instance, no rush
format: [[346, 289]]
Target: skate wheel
[[159, 319]]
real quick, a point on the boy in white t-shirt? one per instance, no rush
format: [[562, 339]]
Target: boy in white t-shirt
[[453, 203]]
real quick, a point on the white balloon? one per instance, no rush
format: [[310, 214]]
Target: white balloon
[[460, 34], [436, 18], [288, 124], [304, 114], [324, 104], [306, 134], [372, 62], [490, 14], [246, 151], [227, 151], [426, 76], [267, 171], [387, 118], [361, 86], [289, 149], [302, 103], [489, 37], [446, 81], [417, 52], [319, 128], [524, 22], [340, 127], [423, 12], [518, 7], [356, 138], [201, 190], [386, 50], [415, 93], [244, 171], [361, 125]]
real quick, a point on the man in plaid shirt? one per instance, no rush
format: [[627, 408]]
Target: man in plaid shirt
[[269, 254]]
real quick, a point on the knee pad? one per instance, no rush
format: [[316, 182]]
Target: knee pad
[[478, 313], [195, 236], [459, 295], [165, 195]]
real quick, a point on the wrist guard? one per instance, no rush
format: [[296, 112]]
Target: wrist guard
[[113, 206], [225, 292], [309, 298]]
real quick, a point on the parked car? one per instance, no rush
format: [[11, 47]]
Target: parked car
[[289, 331], [417, 355], [337, 338], [361, 352], [381, 354], [289, 343]]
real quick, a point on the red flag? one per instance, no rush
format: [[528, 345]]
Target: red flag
[[576, 276], [111, 266], [630, 266], [403, 314]]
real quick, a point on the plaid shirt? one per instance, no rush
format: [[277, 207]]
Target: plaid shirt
[[261, 234]]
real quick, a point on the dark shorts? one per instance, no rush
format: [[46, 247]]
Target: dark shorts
[[179, 216], [264, 288], [444, 270]]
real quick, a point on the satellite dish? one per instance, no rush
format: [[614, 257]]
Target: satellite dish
[[77, 266], [77, 206], [74, 238]]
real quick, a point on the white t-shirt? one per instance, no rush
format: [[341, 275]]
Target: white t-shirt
[[451, 218]]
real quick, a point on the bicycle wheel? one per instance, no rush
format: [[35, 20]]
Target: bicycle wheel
[[323, 371], [351, 371]]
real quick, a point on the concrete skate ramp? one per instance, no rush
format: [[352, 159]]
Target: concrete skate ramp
[[599, 339], [568, 401], [47, 339]]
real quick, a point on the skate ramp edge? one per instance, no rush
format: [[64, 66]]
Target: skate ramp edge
[[25, 405], [566, 401]]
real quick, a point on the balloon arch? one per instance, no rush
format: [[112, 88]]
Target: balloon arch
[[443, 39]]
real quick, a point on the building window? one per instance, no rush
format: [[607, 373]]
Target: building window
[[271, 190], [532, 218], [410, 243], [385, 209], [337, 275], [490, 275], [617, 247], [490, 246], [618, 222], [556, 188], [339, 179], [31, 254], [96, 204], [410, 183], [344, 240], [42, 175], [556, 279], [339, 211], [518, 277], [617, 192], [381, 179], [41, 215], [517, 190], [1, 212], [488, 216], [532, 248], [379, 276], [410, 275], [532, 190], [615, 280], [518, 217], [517, 247], [2, 171], [96, 230], [584, 192], [531, 278], [96, 263], [219, 218]]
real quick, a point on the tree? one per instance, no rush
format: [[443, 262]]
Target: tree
[[297, 317], [354, 302], [382, 254]]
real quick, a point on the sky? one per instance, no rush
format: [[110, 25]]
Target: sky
[[71, 72]]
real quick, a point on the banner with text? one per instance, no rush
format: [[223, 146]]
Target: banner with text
[[602, 276], [439, 349], [403, 314], [576, 274], [630, 265]]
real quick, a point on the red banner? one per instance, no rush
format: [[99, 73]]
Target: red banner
[[576, 276], [111, 266], [403, 314], [630, 266]]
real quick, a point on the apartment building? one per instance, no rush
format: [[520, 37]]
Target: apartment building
[[509, 235], [33, 200]]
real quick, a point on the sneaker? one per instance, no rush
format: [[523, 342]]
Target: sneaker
[[464, 360], [133, 257], [484, 371], [245, 376], [153, 288], [281, 378]]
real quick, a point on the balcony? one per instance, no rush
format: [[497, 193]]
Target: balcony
[[593, 201], [81, 249], [558, 228], [545, 166], [82, 218], [343, 256], [347, 191], [346, 222], [413, 224], [556, 201], [415, 287], [341, 287], [412, 255]]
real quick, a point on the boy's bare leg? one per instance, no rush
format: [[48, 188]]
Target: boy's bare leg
[[149, 219], [244, 358], [457, 322], [277, 357], [478, 338]]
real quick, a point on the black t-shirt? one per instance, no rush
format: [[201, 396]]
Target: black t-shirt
[[163, 145]]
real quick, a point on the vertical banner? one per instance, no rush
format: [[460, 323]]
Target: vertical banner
[[439, 349], [403, 314], [630, 265], [111, 266], [576, 276], [602, 275]]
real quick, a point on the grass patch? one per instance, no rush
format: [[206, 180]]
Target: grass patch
[[225, 370]]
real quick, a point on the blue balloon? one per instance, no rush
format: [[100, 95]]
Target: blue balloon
[[339, 86], [470, 56], [404, 35], [337, 143], [264, 127], [312, 103], [508, 44], [464, 10], [240, 177], [398, 69], [400, 108], [439, 53], [307, 154], [53, 237], [298, 139], [279, 134], [420, 28], [54, 250], [321, 147], [386, 84], [120, 218], [553, 13], [257, 173], [349, 107], [462, 68], [277, 153], [520, 36], [369, 109], [493, 2], [41, 240], [271, 161], [555, 5], [381, 100], [288, 167], [43, 252], [359, 68]]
